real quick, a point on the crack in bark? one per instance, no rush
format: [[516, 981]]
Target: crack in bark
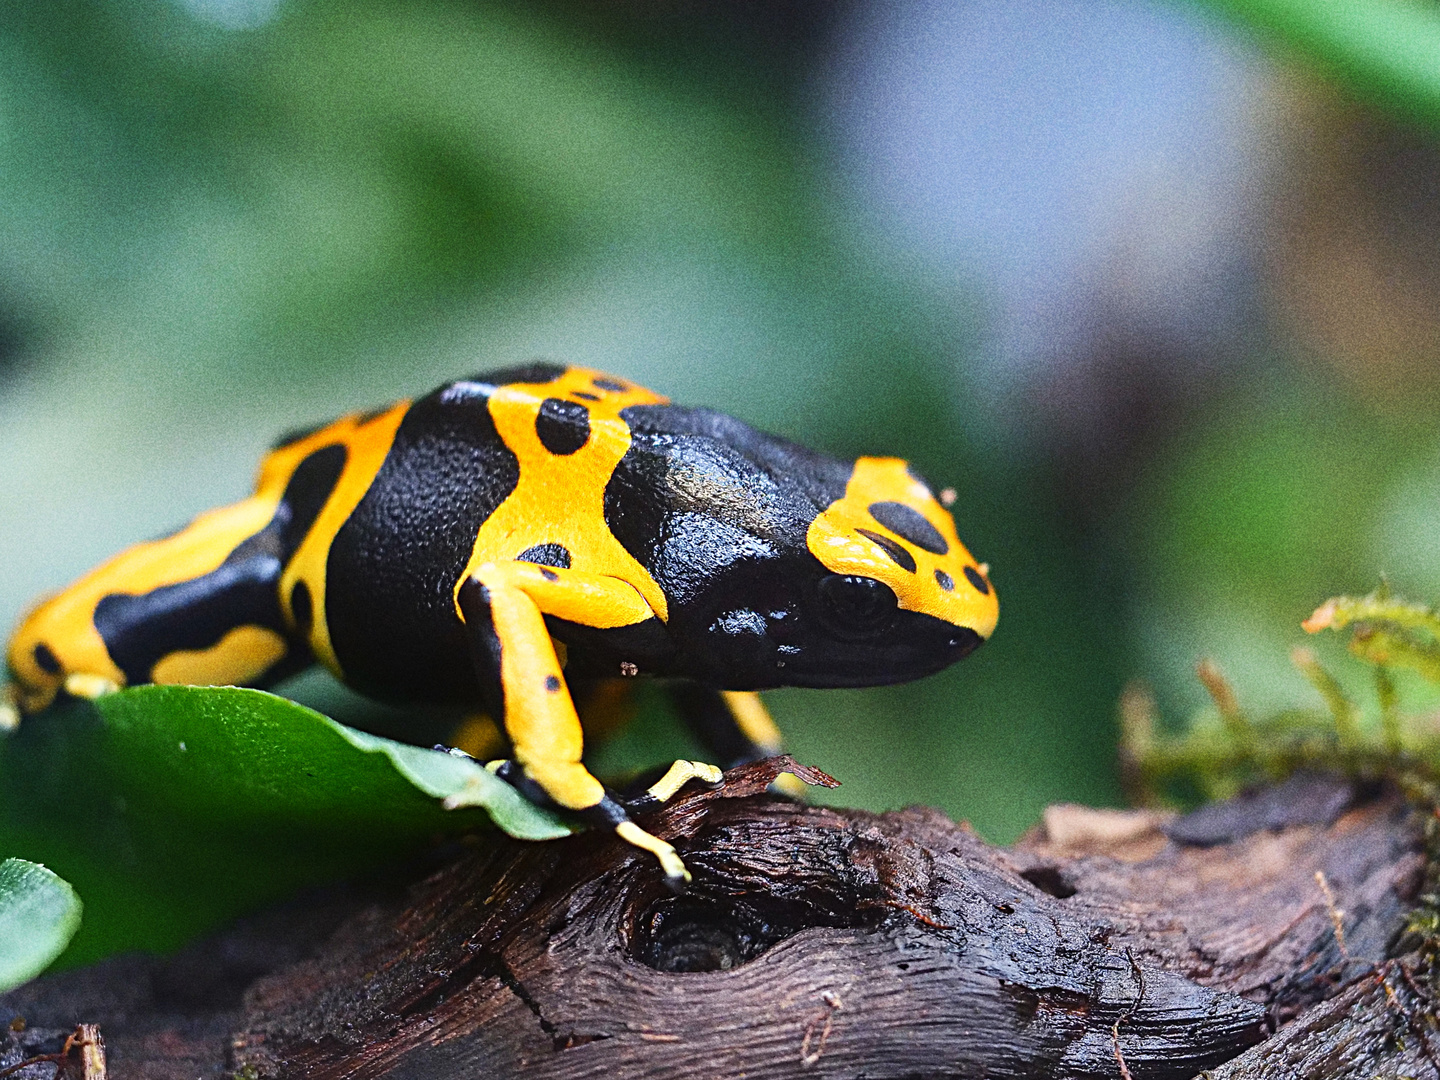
[[512, 982], [516, 987]]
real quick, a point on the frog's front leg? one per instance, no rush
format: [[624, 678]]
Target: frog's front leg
[[733, 725], [736, 727], [504, 607]]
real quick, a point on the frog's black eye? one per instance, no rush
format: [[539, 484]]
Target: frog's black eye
[[855, 607]]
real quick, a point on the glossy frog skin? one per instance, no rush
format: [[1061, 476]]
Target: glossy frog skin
[[521, 540]]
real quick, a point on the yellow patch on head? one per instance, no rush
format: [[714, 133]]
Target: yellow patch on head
[[889, 526]]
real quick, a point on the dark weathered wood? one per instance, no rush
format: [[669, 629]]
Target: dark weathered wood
[[1381, 1025], [818, 942], [173, 1018]]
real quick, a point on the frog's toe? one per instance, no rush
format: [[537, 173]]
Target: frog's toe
[[677, 877], [676, 777]]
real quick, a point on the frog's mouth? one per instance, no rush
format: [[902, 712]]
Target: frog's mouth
[[918, 645], [933, 646]]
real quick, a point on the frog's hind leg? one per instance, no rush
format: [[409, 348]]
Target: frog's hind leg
[[200, 606], [733, 725]]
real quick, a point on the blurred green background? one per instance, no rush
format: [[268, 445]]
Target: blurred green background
[[1155, 287]]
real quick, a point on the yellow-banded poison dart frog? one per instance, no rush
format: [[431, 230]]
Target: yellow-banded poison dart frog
[[474, 544]]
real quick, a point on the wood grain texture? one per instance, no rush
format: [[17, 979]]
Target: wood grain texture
[[836, 943]]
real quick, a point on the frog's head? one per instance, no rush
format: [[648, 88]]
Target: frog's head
[[901, 596], [878, 590]]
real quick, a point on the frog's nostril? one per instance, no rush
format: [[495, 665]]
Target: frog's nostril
[[965, 642]]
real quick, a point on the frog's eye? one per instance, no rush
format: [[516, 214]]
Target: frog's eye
[[855, 607]]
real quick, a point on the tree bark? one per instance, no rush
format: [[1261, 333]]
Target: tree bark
[[1261, 938]]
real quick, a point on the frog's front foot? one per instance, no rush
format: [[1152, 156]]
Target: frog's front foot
[[610, 813], [677, 877], [676, 777]]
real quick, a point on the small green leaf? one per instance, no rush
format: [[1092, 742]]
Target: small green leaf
[[1385, 630], [39, 914], [1379, 607], [1380, 644]]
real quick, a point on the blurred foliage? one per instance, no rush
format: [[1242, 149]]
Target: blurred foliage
[[1392, 732], [1387, 51], [39, 914], [1281, 488]]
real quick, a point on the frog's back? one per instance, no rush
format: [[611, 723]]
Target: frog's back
[[564, 467], [507, 465], [352, 546], [699, 492]]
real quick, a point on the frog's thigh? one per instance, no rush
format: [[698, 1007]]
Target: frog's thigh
[[736, 727], [754, 721]]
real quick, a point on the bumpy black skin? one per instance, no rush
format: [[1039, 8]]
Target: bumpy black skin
[[716, 511]]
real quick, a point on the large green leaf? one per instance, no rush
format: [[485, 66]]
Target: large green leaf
[[224, 754], [1385, 50], [172, 808], [39, 914]]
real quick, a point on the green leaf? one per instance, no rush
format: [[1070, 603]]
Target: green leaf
[[1385, 50], [1379, 607], [39, 914], [174, 808], [225, 754]]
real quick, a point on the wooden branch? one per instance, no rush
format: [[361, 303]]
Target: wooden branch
[[818, 942]]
